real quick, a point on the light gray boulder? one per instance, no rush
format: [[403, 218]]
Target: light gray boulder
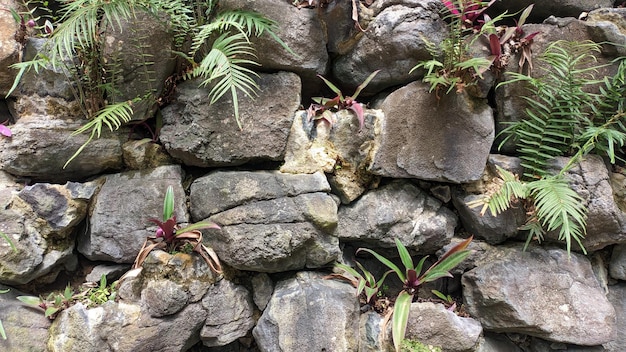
[[262, 289], [270, 221], [26, 328], [202, 134], [398, 210], [229, 314], [118, 223], [398, 30], [309, 313], [606, 25], [540, 292], [432, 324], [617, 265], [41, 220], [415, 137], [616, 297]]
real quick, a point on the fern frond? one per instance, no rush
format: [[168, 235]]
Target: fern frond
[[558, 206], [499, 199], [111, 116], [224, 65]]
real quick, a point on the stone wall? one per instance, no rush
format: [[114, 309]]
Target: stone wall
[[292, 196]]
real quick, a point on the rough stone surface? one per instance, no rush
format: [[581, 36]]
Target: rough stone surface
[[202, 134], [139, 58], [399, 29], [42, 143], [398, 210], [341, 151], [413, 140], [541, 293], [609, 25], [41, 220], [229, 310], [284, 325], [433, 324], [120, 212], [616, 297], [372, 333], [26, 328], [124, 327], [617, 266], [300, 29], [262, 289], [163, 297], [140, 155], [270, 221]]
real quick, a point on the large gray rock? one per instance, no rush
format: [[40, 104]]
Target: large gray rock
[[42, 142], [300, 29], [399, 30], [229, 310], [119, 224], [398, 210], [200, 134], [308, 313], [438, 139], [453, 333], [138, 54], [124, 327], [26, 328], [617, 266], [270, 221], [41, 220], [541, 293]]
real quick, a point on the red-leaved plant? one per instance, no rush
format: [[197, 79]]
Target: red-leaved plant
[[323, 108], [169, 237]]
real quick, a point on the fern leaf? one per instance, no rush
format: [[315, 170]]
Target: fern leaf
[[558, 206]]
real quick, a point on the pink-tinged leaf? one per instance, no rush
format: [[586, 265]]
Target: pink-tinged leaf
[[331, 103], [527, 39], [411, 279], [508, 34], [199, 226], [494, 45], [168, 227], [450, 5], [358, 110], [5, 131], [400, 317], [364, 84]]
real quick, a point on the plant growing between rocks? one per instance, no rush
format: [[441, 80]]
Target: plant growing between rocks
[[453, 65], [324, 108], [411, 276], [220, 53], [562, 119], [171, 238]]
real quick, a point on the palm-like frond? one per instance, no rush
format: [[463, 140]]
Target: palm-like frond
[[558, 206], [509, 189], [111, 116]]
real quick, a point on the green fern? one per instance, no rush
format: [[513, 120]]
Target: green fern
[[562, 119], [112, 116], [558, 105]]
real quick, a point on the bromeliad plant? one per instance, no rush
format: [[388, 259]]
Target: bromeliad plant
[[324, 108], [411, 276], [171, 238]]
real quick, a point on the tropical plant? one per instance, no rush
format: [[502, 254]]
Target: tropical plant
[[101, 293], [453, 65], [220, 53], [53, 303], [413, 277], [324, 108], [363, 281], [170, 237], [562, 119], [3, 333]]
